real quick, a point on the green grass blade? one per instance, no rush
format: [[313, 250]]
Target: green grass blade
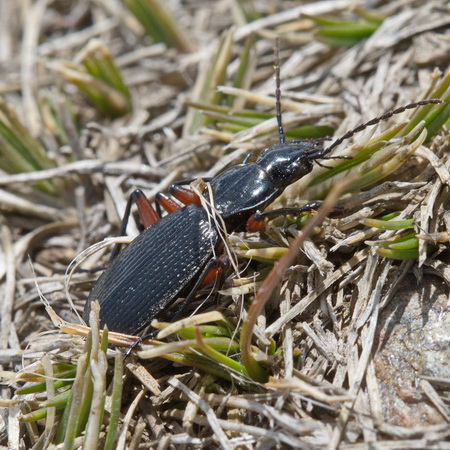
[[212, 74], [116, 403], [160, 23], [98, 77]]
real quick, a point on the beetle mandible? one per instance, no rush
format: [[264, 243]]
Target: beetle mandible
[[175, 255]]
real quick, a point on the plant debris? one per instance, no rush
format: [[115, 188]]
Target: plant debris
[[350, 350]]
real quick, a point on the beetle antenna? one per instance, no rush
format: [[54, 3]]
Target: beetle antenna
[[278, 91], [376, 120]]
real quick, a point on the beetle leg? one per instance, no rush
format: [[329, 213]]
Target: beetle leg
[[256, 222], [215, 266], [216, 272], [147, 214], [167, 203], [146, 211], [184, 195]]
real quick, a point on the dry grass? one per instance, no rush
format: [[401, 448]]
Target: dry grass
[[356, 342]]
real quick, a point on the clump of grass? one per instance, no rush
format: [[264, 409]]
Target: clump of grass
[[220, 107], [78, 405], [160, 24], [402, 246], [346, 33], [212, 74], [247, 10], [20, 151], [97, 76], [58, 117], [235, 120], [211, 348], [208, 342]]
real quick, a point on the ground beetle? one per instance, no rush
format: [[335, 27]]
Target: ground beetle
[[175, 255]]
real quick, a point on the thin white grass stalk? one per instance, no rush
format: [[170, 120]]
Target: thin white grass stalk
[[137, 435], [285, 420], [251, 430], [284, 16], [81, 167], [267, 100], [198, 319], [213, 215], [244, 289], [437, 163], [81, 257], [436, 399], [22, 245], [154, 351], [33, 368], [206, 408], [219, 224], [8, 290], [121, 444], [313, 392], [57, 321], [94, 324], [18, 204]]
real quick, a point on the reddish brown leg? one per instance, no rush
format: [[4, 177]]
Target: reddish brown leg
[[184, 195], [146, 211], [167, 203], [216, 271]]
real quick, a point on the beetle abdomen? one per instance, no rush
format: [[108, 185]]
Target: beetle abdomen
[[153, 270]]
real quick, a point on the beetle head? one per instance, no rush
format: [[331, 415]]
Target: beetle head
[[290, 161]]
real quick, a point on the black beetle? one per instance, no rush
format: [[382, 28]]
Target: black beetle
[[177, 250], [173, 256]]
